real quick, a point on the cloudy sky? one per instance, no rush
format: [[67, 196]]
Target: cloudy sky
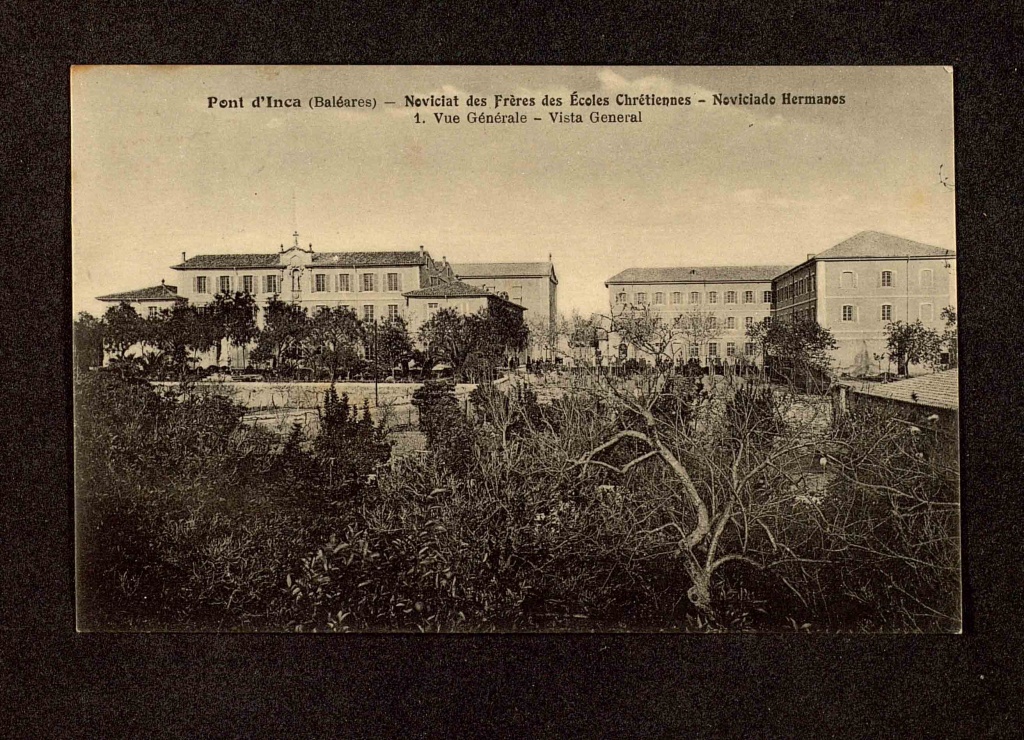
[[155, 172]]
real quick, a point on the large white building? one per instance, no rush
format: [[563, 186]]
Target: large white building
[[733, 297], [377, 285]]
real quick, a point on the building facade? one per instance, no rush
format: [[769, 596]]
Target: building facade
[[860, 285], [533, 285], [376, 285], [732, 299]]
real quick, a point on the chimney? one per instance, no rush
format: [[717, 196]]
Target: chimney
[[182, 256], [162, 281], [810, 256], [311, 247]]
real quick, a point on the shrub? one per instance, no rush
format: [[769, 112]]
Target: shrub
[[449, 434]]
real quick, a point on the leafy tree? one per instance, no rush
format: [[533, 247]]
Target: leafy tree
[[285, 329], [88, 335], [181, 333], [124, 328], [799, 346], [448, 337], [235, 315], [908, 343], [331, 341], [388, 343]]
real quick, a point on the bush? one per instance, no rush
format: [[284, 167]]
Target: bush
[[449, 434]]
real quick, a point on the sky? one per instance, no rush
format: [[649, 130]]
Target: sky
[[157, 172]]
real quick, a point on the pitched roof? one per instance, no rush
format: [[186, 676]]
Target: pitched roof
[[456, 289], [325, 259], [878, 245], [502, 269], [156, 293], [712, 274], [938, 390]]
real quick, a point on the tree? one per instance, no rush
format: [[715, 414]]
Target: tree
[[235, 314], [949, 335], [88, 335], [285, 328], [908, 344], [388, 343], [641, 328], [476, 343], [544, 335], [124, 328], [796, 347], [350, 447], [331, 341], [698, 328]]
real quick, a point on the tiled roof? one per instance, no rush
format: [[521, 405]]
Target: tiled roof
[[876, 244], [455, 289], [325, 259], [227, 261], [938, 390], [744, 274], [156, 293], [502, 269]]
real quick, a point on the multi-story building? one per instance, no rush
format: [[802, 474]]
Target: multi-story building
[[533, 285], [732, 298], [370, 283], [462, 297], [376, 285], [860, 285]]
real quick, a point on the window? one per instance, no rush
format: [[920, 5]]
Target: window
[[848, 313], [886, 278], [748, 321], [297, 279], [767, 320], [712, 349], [368, 282], [621, 298], [748, 349], [368, 312], [394, 284], [713, 296], [224, 284], [431, 307], [886, 312], [766, 297], [659, 298], [319, 309], [153, 312], [247, 284], [677, 298], [730, 349], [201, 285], [730, 296], [847, 280], [926, 312], [730, 322], [694, 350], [344, 283], [748, 296], [517, 292], [319, 283], [641, 298], [272, 284], [926, 278], [393, 311], [712, 322], [694, 297], [810, 279]]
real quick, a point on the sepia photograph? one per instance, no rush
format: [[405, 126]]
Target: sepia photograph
[[515, 349]]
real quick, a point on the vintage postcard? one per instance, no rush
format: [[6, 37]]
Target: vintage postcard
[[515, 349]]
